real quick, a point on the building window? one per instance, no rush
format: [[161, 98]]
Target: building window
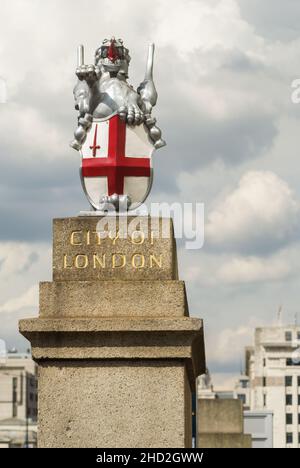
[[289, 418], [242, 398], [299, 438], [289, 399], [292, 362], [298, 380], [14, 397], [289, 437], [264, 362], [299, 400], [264, 381], [298, 418], [288, 336], [298, 335], [265, 400], [288, 380]]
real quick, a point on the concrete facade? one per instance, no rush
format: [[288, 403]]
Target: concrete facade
[[274, 375], [242, 390], [17, 433], [18, 387], [260, 425], [118, 354]]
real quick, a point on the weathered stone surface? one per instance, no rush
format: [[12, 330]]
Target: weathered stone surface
[[113, 298], [223, 440], [118, 354], [111, 338], [81, 254], [220, 424], [225, 416], [107, 324], [114, 404]]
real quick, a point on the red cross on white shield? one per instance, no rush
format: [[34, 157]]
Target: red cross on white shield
[[116, 158]]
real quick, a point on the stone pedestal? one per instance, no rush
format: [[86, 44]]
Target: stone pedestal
[[117, 352], [221, 425]]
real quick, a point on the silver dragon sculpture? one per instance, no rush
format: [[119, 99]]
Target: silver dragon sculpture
[[102, 90]]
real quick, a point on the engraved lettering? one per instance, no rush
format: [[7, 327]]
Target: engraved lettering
[[81, 261], [138, 261], [115, 263], [114, 238], [98, 261], [138, 237], [155, 261], [74, 240], [66, 262], [97, 236], [88, 237], [151, 238]]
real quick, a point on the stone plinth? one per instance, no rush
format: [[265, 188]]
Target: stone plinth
[[118, 354], [223, 440], [117, 298], [220, 424], [220, 415], [91, 248]]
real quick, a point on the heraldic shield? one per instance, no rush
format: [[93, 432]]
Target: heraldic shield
[[116, 160]]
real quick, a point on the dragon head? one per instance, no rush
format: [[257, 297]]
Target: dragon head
[[113, 57]]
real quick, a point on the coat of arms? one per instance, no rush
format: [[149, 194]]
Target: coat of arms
[[116, 132]]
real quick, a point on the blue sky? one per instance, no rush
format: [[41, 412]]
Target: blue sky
[[223, 70]]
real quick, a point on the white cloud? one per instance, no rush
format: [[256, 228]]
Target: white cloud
[[260, 214], [206, 25], [223, 87], [22, 266], [253, 269], [13, 257], [230, 270], [229, 343], [40, 139], [18, 257], [28, 299], [272, 19], [223, 381]]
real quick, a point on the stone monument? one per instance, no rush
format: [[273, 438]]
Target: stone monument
[[220, 424], [117, 353]]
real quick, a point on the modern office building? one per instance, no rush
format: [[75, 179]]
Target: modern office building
[[242, 390], [273, 385], [260, 425], [18, 386]]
